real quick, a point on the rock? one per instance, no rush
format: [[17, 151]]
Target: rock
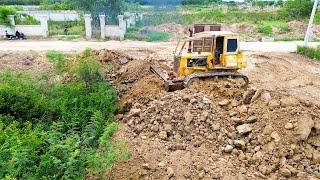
[[285, 172], [206, 100], [146, 166], [288, 126], [243, 109], [228, 149], [163, 135], [305, 123], [237, 120], [243, 129], [134, 112], [316, 156], [201, 174], [239, 143], [289, 101], [188, 117], [252, 119], [266, 96], [215, 127], [123, 60], [256, 95], [247, 96], [314, 140], [275, 136], [273, 104], [170, 172], [224, 102], [268, 129], [162, 164]]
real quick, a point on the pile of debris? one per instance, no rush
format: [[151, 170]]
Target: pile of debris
[[216, 130]]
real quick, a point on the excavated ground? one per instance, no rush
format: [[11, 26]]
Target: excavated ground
[[219, 130], [211, 130]]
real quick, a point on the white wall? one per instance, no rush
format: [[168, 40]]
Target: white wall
[[30, 30], [114, 32], [4, 28], [55, 15]]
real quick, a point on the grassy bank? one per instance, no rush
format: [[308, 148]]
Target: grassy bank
[[59, 126], [313, 53]]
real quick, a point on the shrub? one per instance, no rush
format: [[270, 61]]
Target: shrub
[[158, 36], [60, 129], [267, 30], [5, 11], [58, 59], [317, 18], [25, 19], [313, 53], [294, 9]]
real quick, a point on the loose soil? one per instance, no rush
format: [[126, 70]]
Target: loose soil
[[219, 130]]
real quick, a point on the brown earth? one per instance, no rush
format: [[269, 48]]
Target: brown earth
[[220, 131]]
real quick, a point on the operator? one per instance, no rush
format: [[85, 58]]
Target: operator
[[217, 55]]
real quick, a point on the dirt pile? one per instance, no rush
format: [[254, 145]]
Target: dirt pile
[[220, 131], [30, 61], [299, 29]]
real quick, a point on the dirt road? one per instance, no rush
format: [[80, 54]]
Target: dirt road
[[81, 45]]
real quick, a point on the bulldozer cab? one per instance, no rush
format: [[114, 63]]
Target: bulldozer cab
[[208, 51]]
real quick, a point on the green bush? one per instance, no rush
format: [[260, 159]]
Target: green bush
[[74, 27], [158, 36], [267, 30], [313, 53], [26, 19], [57, 129], [317, 18], [296, 9], [5, 11]]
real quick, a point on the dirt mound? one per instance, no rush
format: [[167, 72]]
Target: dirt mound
[[144, 90], [30, 61], [299, 29], [219, 131]]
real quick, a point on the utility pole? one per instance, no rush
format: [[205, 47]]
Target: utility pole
[[314, 9]]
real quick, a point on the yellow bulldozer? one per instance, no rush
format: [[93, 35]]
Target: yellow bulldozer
[[206, 54]]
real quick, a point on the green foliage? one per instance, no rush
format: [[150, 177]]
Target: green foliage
[[158, 36], [267, 30], [26, 19], [5, 11], [74, 27], [57, 129], [295, 9], [20, 2], [58, 59], [313, 53], [134, 34], [317, 18]]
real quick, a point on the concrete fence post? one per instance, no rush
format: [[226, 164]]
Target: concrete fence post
[[87, 20], [122, 26], [102, 18], [44, 25], [133, 18]]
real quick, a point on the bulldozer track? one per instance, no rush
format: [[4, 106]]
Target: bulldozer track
[[217, 74]]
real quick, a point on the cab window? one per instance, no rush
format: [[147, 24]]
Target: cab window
[[232, 45]]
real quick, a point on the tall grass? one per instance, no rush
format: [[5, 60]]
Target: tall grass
[[58, 128], [313, 53]]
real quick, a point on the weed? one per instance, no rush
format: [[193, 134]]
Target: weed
[[313, 53], [158, 36], [57, 130], [266, 30]]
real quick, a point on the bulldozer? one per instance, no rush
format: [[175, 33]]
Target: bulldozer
[[205, 55]]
